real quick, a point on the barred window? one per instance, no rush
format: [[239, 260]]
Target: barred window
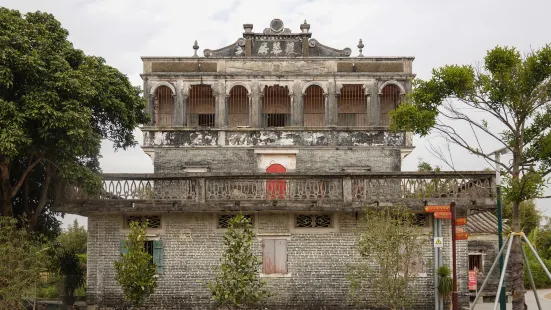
[[313, 221], [352, 107], [164, 106], [201, 106], [390, 99], [153, 221], [276, 107], [224, 219]]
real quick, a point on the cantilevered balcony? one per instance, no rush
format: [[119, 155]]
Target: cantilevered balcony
[[282, 192]]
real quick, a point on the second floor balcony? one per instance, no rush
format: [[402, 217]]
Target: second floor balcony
[[201, 192], [274, 104]]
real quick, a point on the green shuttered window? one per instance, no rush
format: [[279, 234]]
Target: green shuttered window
[[154, 248]]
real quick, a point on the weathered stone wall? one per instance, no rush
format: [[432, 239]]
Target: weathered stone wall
[[487, 245], [462, 262], [275, 138], [307, 159], [317, 262]]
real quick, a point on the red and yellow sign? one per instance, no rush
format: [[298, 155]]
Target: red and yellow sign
[[460, 221], [431, 209], [461, 236], [443, 215]]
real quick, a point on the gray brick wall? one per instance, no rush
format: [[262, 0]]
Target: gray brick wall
[[488, 246], [307, 160], [192, 247]]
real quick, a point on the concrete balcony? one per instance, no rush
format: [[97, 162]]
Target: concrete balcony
[[279, 192], [275, 137]]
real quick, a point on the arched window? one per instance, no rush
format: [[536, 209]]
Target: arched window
[[238, 107], [201, 106], [314, 106], [164, 106], [352, 106], [390, 99], [276, 107]]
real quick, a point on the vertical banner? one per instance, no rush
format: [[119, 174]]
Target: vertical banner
[[472, 280]]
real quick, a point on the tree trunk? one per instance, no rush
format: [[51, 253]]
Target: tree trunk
[[6, 208], [516, 263], [43, 197]]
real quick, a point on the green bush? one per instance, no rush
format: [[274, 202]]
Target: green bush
[[540, 277], [47, 292]]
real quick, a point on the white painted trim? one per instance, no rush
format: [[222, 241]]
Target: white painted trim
[[322, 85], [286, 236], [272, 151], [238, 83], [162, 83], [393, 82], [276, 275], [405, 152]]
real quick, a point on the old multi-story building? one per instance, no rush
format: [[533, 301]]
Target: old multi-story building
[[287, 130]]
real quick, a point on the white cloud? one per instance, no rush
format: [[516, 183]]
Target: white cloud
[[435, 32]]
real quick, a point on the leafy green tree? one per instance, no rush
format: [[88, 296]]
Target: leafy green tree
[[135, 272], [390, 248], [514, 92], [74, 238], [426, 167], [56, 105], [530, 217], [238, 284], [22, 258], [538, 238]]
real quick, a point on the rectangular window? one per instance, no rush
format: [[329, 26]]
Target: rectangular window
[[224, 219], [274, 256], [153, 221], [313, 221], [475, 262]]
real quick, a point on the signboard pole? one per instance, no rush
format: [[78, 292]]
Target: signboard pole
[[440, 262], [436, 266], [502, 301], [454, 259]]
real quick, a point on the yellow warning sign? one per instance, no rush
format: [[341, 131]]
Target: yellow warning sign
[[438, 242]]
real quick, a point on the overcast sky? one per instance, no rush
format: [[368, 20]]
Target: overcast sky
[[436, 32]]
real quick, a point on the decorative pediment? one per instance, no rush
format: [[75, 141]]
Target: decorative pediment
[[277, 41]]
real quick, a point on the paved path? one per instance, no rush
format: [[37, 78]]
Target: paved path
[[530, 301]]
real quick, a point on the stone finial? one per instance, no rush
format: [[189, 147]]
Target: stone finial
[[195, 48], [360, 47], [305, 27], [248, 28]]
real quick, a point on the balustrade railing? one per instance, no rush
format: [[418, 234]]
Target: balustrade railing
[[347, 187]]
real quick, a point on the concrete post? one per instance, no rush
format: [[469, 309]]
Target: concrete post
[[201, 190], [297, 105], [347, 190], [178, 104], [332, 109], [256, 104]]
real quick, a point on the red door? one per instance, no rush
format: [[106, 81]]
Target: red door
[[275, 188]]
